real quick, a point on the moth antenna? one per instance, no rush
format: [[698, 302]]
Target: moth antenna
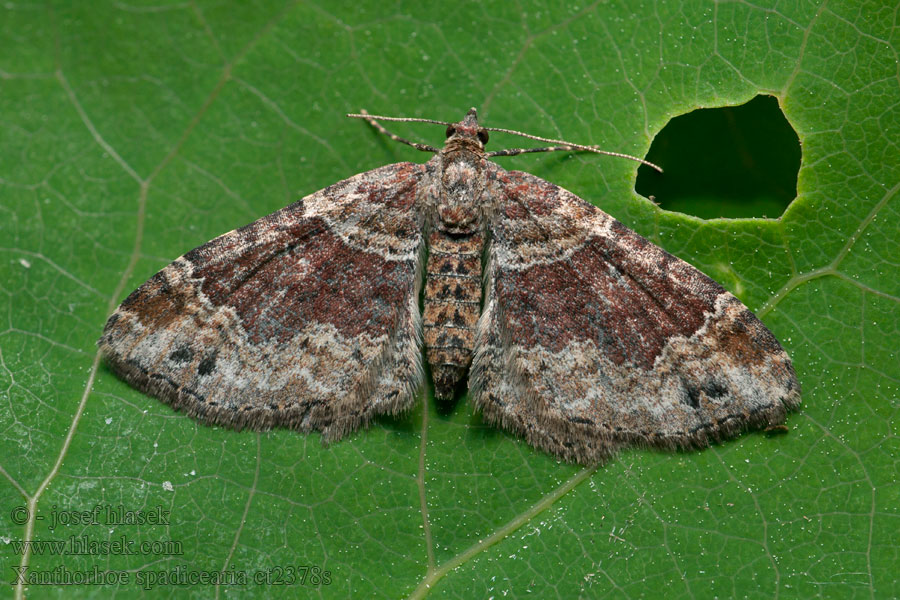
[[372, 121], [562, 145], [363, 114]]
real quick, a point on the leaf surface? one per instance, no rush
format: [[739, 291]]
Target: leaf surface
[[133, 132]]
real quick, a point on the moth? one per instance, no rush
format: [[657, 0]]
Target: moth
[[576, 333]]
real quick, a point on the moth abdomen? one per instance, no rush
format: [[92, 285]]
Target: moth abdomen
[[452, 306]]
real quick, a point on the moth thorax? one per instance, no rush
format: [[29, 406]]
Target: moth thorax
[[452, 306], [462, 185]]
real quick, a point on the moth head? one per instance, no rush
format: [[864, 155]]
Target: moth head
[[469, 129]]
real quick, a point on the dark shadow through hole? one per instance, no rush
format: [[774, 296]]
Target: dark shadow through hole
[[732, 162]]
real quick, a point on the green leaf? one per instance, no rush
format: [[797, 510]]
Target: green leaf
[[134, 131]]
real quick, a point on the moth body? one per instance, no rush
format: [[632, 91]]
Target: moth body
[[454, 190]]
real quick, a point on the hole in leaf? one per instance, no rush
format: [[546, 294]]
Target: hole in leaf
[[733, 162]]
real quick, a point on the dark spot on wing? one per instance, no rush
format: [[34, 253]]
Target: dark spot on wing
[[714, 389], [207, 365], [182, 355], [691, 395]]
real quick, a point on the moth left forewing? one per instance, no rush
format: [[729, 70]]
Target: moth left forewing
[[593, 338], [306, 318]]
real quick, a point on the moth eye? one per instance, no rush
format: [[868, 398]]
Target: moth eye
[[483, 136], [451, 130]]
